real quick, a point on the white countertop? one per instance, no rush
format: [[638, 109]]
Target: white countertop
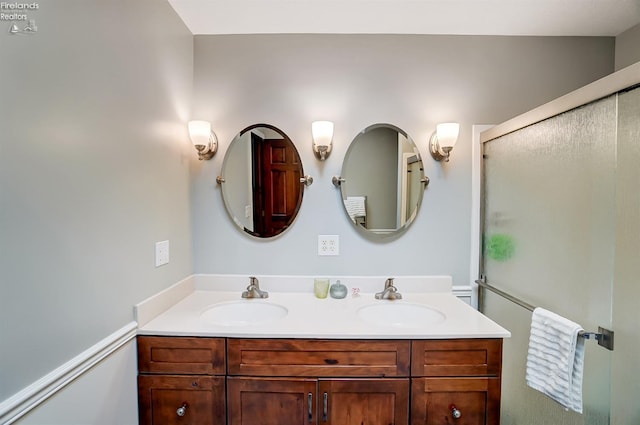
[[310, 317]]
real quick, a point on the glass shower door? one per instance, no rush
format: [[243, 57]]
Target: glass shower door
[[549, 239], [625, 373]]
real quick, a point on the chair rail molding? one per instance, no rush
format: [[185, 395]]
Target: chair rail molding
[[21, 403]]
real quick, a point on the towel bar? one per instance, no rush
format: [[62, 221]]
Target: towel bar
[[603, 336]]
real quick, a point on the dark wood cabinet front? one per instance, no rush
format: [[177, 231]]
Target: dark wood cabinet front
[[364, 401], [184, 400], [316, 358], [456, 382], [456, 357], [242, 381], [271, 401], [290, 401], [461, 401], [181, 355], [181, 381]]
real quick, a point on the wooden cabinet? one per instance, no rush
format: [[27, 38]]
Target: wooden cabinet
[[381, 401], [181, 381], [271, 401], [172, 399], [181, 355], [456, 381], [303, 401], [348, 382], [436, 401], [322, 357], [218, 381]]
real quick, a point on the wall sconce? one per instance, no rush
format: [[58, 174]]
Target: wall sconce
[[203, 139], [322, 132], [443, 139]]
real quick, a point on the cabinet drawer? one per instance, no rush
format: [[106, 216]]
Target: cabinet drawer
[[181, 355], [458, 357], [292, 357], [170, 399], [476, 401]]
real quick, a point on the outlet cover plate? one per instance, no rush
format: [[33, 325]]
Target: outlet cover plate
[[162, 253], [328, 245]]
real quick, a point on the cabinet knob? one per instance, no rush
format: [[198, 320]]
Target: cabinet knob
[[455, 412], [182, 410]]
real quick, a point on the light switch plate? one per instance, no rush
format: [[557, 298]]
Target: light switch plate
[[328, 245], [162, 253]]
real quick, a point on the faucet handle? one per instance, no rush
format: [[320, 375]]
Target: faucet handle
[[253, 289], [389, 282]]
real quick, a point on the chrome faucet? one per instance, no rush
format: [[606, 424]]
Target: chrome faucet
[[253, 290], [390, 292]]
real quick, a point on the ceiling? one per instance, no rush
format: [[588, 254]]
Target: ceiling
[[463, 17]]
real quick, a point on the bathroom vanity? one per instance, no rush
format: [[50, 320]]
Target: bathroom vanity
[[426, 359]]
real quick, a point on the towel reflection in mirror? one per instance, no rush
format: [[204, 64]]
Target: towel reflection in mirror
[[383, 181]]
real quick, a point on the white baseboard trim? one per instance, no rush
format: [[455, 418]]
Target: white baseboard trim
[[465, 293], [38, 392]]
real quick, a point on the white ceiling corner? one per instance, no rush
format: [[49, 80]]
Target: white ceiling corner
[[463, 17]]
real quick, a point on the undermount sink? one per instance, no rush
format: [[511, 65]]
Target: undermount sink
[[243, 313], [399, 314]]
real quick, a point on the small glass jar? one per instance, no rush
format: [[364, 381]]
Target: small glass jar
[[338, 290], [320, 287]]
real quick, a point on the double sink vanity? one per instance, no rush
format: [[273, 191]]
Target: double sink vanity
[[217, 350], [214, 357]]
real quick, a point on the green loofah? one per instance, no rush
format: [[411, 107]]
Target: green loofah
[[500, 247]]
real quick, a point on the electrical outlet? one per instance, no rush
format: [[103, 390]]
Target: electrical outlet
[[328, 245], [162, 253]]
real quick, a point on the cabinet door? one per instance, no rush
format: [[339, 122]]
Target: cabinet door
[[169, 399], [363, 402], [271, 401], [476, 400]]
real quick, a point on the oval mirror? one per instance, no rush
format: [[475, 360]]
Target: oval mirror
[[382, 181], [261, 181]]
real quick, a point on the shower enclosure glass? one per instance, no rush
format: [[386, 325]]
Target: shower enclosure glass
[[555, 195]]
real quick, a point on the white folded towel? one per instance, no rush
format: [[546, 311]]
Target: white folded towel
[[555, 360], [355, 206]]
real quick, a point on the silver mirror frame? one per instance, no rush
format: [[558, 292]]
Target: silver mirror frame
[[241, 207], [343, 182]]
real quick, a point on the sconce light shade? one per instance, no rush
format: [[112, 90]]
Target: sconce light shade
[[203, 139], [443, 140], [322, 132]]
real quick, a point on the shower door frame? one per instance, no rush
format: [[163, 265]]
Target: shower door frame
[[612, 84]]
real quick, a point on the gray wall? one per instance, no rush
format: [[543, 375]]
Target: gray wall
[[94, 169], [413, 82], [627, 50]]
